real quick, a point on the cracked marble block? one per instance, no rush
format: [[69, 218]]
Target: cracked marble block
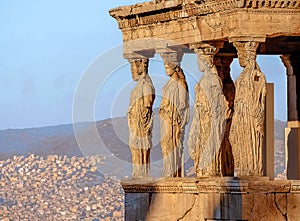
[[192, 199]]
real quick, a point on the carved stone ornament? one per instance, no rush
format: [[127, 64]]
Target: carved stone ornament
[[140, 118], [174, 115], [209, 120], [247, 129]]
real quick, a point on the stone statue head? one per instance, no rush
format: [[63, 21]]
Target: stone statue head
[[246, 53], [172, 62], [173, 69], [205, 62], [139, 68], [247, 58], [170, 68], [205, 57]]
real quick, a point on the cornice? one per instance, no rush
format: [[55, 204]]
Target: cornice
[[217, 185], [150, 13]]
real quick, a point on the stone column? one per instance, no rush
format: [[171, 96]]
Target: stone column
[[140, 117], [291, 62], [208, 126], [223, 66], [292, 132], [174, 115], [247, 129]]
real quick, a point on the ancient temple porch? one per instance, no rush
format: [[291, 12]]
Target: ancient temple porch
[[219, 31]]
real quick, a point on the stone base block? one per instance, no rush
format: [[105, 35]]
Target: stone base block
[[211, 199], [292, 147]]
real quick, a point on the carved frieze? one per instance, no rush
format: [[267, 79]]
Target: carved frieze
[[194, 21]]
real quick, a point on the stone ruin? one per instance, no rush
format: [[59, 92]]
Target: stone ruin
[[228, 140]]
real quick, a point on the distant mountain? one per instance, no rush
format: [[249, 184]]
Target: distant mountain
[[110, 140], [41, 141], [279, 129], [279, 147]]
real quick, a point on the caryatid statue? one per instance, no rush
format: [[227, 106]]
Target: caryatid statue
[[174, 115], [247, 129], [209, 118], [140, 118]]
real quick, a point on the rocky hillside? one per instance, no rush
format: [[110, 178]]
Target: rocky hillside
[[113, 133]]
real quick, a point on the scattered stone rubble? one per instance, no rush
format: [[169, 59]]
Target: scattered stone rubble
[[57, 188]]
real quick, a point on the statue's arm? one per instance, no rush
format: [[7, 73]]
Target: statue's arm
[[259, 106], [148, 100], [148, 95]]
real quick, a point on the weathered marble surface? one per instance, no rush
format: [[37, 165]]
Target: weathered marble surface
[[247, 129], [140, 118], [209, 119], [174, 116], [209, 199], [189, 21]]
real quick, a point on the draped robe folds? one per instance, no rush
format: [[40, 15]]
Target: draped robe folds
[[208, 125], [140, 120], [247, 130], [174, 115]]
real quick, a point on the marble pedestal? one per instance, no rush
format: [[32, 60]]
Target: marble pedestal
[[211, 199]]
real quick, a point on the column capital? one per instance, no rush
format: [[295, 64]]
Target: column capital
[[286, 60], [205, 48], [250, 46], [169, 55], [138, 60], [246, 51]]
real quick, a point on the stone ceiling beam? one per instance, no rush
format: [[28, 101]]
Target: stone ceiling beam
[[247, 38], [139, 55]]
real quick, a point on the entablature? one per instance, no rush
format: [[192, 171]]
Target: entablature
[[148, 26]]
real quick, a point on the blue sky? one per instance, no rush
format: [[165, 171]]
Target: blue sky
[[47, 46]]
